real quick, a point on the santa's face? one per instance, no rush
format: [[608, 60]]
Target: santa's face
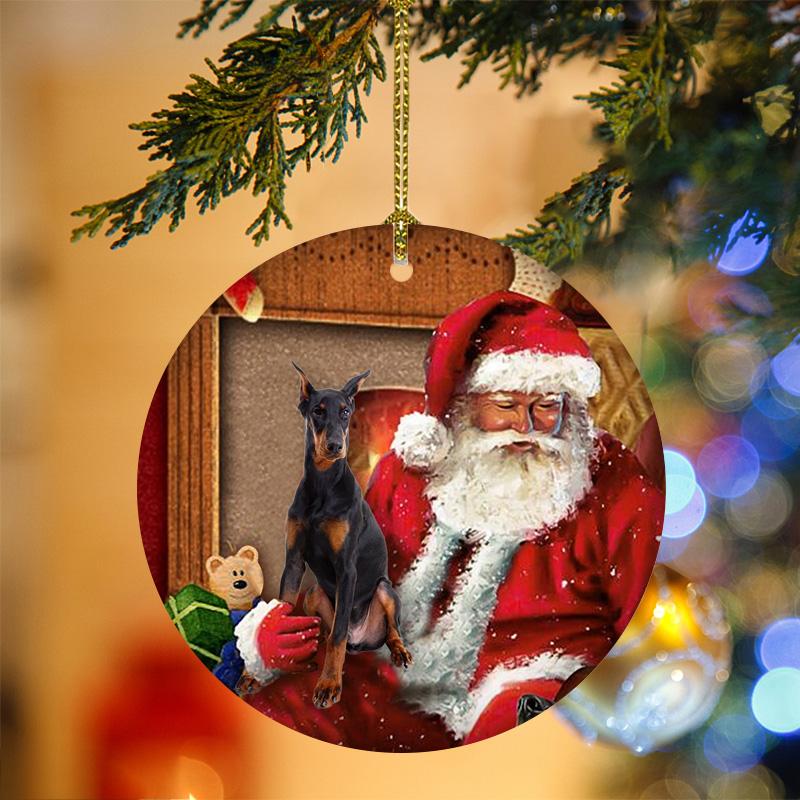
[[521, 412], [518, 463]]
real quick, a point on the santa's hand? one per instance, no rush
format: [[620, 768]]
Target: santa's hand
[[286, 642], [271, 642]]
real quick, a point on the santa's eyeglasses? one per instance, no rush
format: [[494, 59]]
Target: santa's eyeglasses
[[544, 413]]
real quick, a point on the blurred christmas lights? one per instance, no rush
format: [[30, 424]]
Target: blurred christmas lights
[[688, 519], [734, 743], [786, 368], [704, 554], [756, 784], [711, 298], [728, 466], [779, 644], [680, 479], [764, 593], [763, 510], [773, 439], [770, 405], [743, 254], [776, 700], [724, 369]]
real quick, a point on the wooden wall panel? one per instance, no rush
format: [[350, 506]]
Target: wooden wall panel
[[193, 454], [344, 277]]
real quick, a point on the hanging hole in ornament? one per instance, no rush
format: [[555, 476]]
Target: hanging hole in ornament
[[401, 271]]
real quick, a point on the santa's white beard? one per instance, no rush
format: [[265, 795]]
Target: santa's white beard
[[485, 488]]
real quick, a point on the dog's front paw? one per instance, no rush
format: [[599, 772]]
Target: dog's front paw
[[247, 684], [327, 692], [400, 655]]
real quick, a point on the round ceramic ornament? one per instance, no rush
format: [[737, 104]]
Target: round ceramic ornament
[[401, 516]]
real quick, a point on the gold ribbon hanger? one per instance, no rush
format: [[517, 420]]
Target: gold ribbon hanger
[[401, 218]]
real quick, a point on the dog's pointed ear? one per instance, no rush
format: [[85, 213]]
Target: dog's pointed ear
[[354, 384], [306, 389]]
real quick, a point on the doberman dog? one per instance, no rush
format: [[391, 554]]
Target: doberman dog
[[331, 528]]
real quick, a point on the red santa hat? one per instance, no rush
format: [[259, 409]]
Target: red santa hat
[[502, 342]]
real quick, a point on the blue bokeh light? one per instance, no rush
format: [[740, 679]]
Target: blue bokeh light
[[776, 700], [669, 549], [680, 480], [734, 743], [728, 466], [742, 254], [770, 406], [779, 644], [786, 368], [688, 519], [773, 438]]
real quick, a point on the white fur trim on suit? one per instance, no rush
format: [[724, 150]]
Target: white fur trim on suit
[[421, 440], [446, 657], [246, 633], [531, 372], [544, 666]]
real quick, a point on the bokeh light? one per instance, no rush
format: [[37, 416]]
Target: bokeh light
[[725, 368], [786, 399], [695, 423], [688, 519], [742, 254], [669, 789], [770, 405], [734, 743], [680, 479], [711, 297], [758, 783], [764, 593], [779, 644], [704, 554], [786, 367], [774, 439], [763, 510], [728, 466], [776, 700], [670, 550]]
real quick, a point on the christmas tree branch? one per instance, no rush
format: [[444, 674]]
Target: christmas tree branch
[[210, 8], [518, 39], [571, 218], [657, 66], [280, 96]]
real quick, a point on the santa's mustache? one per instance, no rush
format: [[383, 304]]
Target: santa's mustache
[[487, 441]]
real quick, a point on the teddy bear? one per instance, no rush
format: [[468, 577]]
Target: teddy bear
[[239, 581]]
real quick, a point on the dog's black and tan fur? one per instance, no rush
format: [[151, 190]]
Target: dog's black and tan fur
[[331, 528]]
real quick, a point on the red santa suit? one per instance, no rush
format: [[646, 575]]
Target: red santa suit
[[488, 616]]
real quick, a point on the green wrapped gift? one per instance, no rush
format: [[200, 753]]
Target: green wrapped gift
[[203, 619]]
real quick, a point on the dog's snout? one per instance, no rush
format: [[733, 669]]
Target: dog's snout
[[334, 448], [240, 584]]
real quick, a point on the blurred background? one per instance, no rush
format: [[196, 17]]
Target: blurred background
[[100, 696]]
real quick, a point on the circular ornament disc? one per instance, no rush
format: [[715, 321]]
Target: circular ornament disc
[[401, 509]]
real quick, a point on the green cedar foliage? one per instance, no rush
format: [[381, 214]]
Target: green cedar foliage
[[279, 97], [686, 162]]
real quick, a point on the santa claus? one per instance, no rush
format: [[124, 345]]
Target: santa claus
[[520, 539]]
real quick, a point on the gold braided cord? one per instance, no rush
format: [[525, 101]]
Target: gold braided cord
[[401, 218]]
